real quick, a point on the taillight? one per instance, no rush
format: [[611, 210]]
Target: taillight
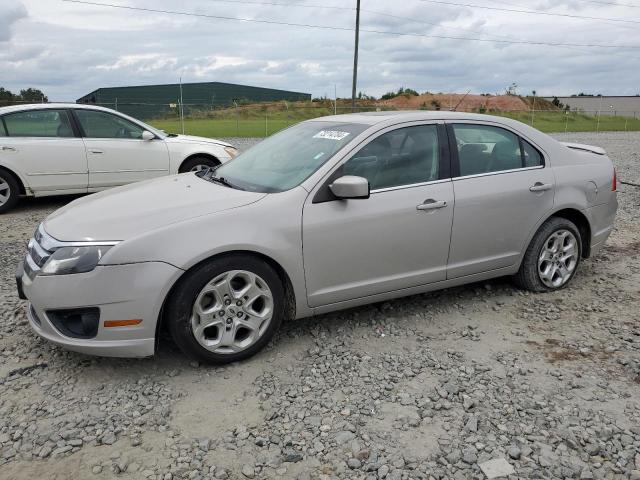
[[614, 185]]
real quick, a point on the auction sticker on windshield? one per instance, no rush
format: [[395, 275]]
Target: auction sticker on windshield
[[331, 134]]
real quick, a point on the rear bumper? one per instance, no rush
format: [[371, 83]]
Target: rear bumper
[[602, 218], [121, 292]]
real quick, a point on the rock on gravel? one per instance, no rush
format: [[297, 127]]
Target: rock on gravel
[[498, 467]]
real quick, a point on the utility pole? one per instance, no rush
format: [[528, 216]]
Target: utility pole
[[355, 59], [533, 108], [181, 107]]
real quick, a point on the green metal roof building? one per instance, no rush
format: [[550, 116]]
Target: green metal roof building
[[157, 101]]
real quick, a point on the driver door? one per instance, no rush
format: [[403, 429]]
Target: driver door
[[116, 152], [396, 239]]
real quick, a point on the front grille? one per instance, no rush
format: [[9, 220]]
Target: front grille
[[37, 254]]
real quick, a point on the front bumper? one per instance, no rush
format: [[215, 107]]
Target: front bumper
[[121, 292]]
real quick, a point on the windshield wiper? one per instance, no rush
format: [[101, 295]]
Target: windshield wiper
[[209, 175], [222, 181]]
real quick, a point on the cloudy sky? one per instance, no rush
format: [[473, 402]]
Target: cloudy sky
[[69, 49]]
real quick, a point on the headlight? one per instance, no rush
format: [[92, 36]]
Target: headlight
[[68, 260], [231, 151]]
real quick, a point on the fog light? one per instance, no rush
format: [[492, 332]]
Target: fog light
[[77, 322]]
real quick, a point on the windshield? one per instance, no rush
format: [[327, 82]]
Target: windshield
[[286, 159]]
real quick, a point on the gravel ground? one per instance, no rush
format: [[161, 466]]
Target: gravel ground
[[443, 385]]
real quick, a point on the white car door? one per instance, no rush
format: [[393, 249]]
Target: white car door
[[43, 147], [116, 152], [399, 237]]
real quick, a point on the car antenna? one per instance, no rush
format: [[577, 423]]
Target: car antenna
[[461, 100]]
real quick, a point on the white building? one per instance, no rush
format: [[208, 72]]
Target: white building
[[623, 106]]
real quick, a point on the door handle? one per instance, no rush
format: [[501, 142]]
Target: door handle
[[431, 204], [8, 149], [540, 187], [96, 151]]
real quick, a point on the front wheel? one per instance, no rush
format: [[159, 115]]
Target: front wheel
[[552, 258], [9, 191], [197, 164], [226, 309]]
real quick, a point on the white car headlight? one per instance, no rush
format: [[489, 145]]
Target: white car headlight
[[231, 151], [67, 260]]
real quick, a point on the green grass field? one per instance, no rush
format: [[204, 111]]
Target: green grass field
[[258, 123]]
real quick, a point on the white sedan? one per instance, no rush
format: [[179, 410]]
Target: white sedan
[[54, 149]]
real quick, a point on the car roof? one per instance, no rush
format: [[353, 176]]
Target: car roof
[[393, 116], [390, 118], [40, 106]]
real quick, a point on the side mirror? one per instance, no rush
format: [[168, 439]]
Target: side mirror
[[350, 186], [147, 135]]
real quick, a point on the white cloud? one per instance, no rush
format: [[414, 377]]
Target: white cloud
[[70, 49], [10, 12], [143, 63]]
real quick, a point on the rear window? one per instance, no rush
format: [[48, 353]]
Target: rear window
[[38, 123], [532, 157]]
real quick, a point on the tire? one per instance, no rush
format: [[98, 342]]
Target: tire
[[194, 309], [9, 191], [196, 164], [539, 274]]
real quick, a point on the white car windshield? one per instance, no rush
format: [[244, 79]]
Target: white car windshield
[[284, 160]]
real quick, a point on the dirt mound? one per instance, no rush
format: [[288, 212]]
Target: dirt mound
[[448, 101]]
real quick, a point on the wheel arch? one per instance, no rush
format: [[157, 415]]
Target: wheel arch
[[195, 155], [290, 298], [16, 177], [584, 227], [572, 214]]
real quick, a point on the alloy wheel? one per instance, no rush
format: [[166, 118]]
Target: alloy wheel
[[5, 191], [199, 168], [558, 258], [232, 312]]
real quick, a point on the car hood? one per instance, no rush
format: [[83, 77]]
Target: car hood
[[124, 212], [200, 140]]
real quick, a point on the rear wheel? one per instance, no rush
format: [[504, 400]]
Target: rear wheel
[[552, 258], [9, 191], [197, 164], [226, 309]]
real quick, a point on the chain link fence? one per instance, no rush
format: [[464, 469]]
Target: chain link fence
[[264, 119]]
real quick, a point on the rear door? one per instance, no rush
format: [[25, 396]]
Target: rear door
[[503, 187], [116, 152], [44, 146]]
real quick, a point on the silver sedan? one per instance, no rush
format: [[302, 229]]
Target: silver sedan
[[329, 214]]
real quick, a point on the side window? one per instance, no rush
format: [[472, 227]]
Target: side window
[[485, 149], [532, 157], [3, 132], [401, 157], [106, 125], [39, 123]]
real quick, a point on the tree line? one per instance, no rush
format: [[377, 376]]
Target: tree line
[[27, 95]]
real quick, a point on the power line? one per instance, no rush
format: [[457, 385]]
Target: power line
[[599, 2], [348, 29], [374, 12], [533, 12]]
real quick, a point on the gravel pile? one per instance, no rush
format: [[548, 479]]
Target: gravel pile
[[474, 382]]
